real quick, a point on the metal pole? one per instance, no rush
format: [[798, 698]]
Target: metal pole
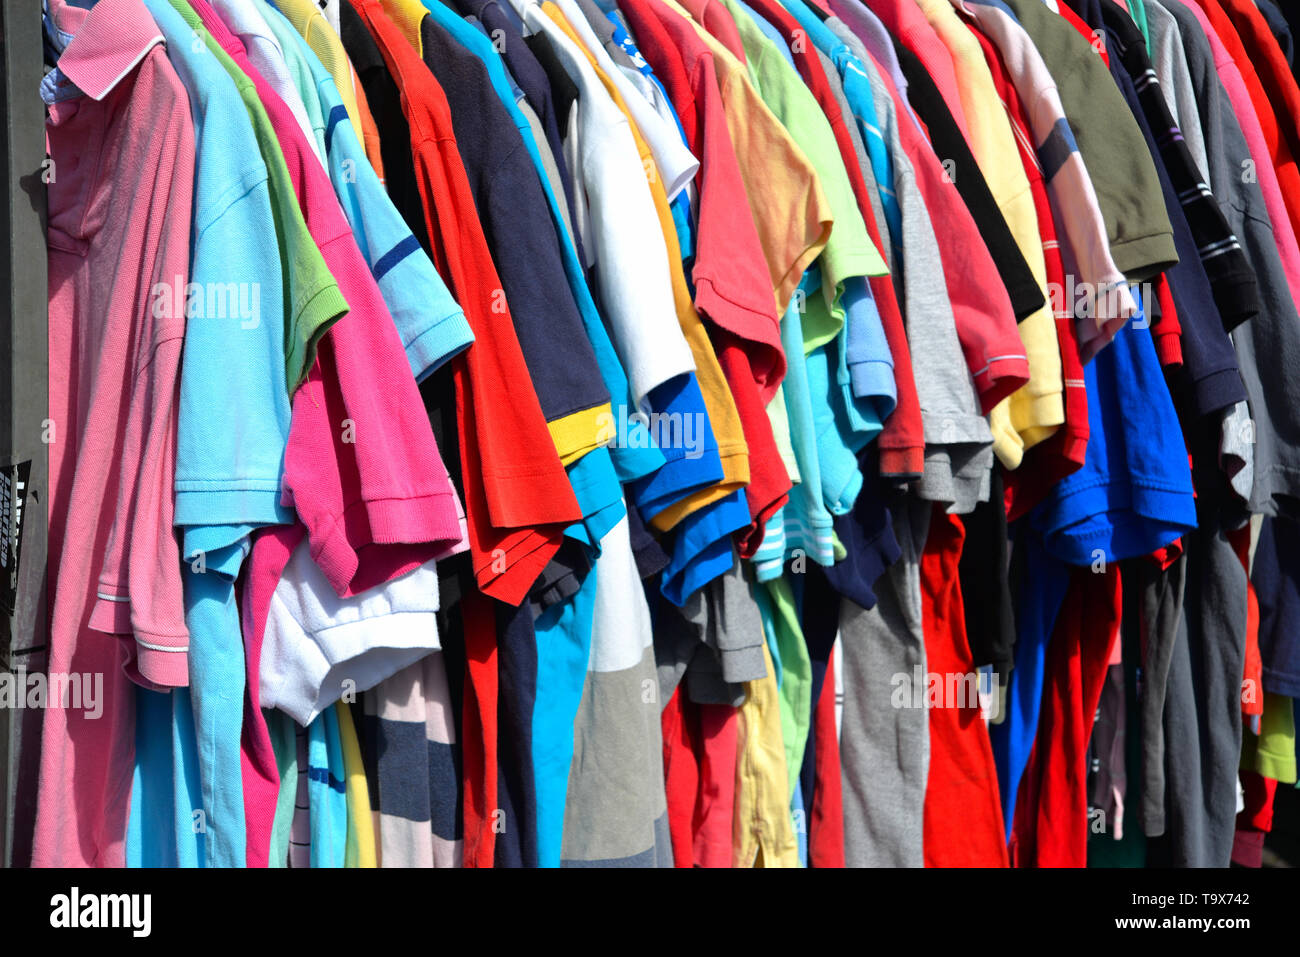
[[24, 404]]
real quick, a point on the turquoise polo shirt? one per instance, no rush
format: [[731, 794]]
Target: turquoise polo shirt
[[804, 523], [228, 465]]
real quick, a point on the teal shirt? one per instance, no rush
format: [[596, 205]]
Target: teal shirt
[[857, 90]]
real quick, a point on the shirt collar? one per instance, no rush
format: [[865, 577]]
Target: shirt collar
[[109, 43], [245, 20]]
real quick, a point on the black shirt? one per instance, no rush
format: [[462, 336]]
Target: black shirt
[[950, 144]]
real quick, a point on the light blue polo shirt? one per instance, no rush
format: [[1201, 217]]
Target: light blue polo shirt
[[164, 827], [231, 435], [843, 422], [233, 422], [326, 791], [563, 634]]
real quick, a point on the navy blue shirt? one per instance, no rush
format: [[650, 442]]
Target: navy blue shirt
[[520, 233]]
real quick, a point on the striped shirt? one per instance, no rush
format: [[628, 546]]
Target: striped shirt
[[1231, 276]]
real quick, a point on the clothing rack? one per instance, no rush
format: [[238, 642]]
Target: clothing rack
[[491, 727], [24, 460]]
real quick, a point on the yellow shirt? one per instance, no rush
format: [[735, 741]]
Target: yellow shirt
[[1036, 410], [762, 828], [325, 43], [1272, 753], [360, 850], [718, 401]]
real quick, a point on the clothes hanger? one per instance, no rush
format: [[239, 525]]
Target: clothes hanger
[[519, 6], [819, 11]]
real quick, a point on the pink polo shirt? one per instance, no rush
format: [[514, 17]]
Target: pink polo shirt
[[272, 548], [119, 224], [362, 468]]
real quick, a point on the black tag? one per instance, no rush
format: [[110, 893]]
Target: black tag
[[13, 505]]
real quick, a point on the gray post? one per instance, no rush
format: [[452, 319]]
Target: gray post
[[24, 401]]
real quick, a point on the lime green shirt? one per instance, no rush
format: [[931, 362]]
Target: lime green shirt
[[1272, 754], [794, 680]]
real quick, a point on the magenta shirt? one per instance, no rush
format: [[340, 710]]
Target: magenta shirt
[[119, 224]]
